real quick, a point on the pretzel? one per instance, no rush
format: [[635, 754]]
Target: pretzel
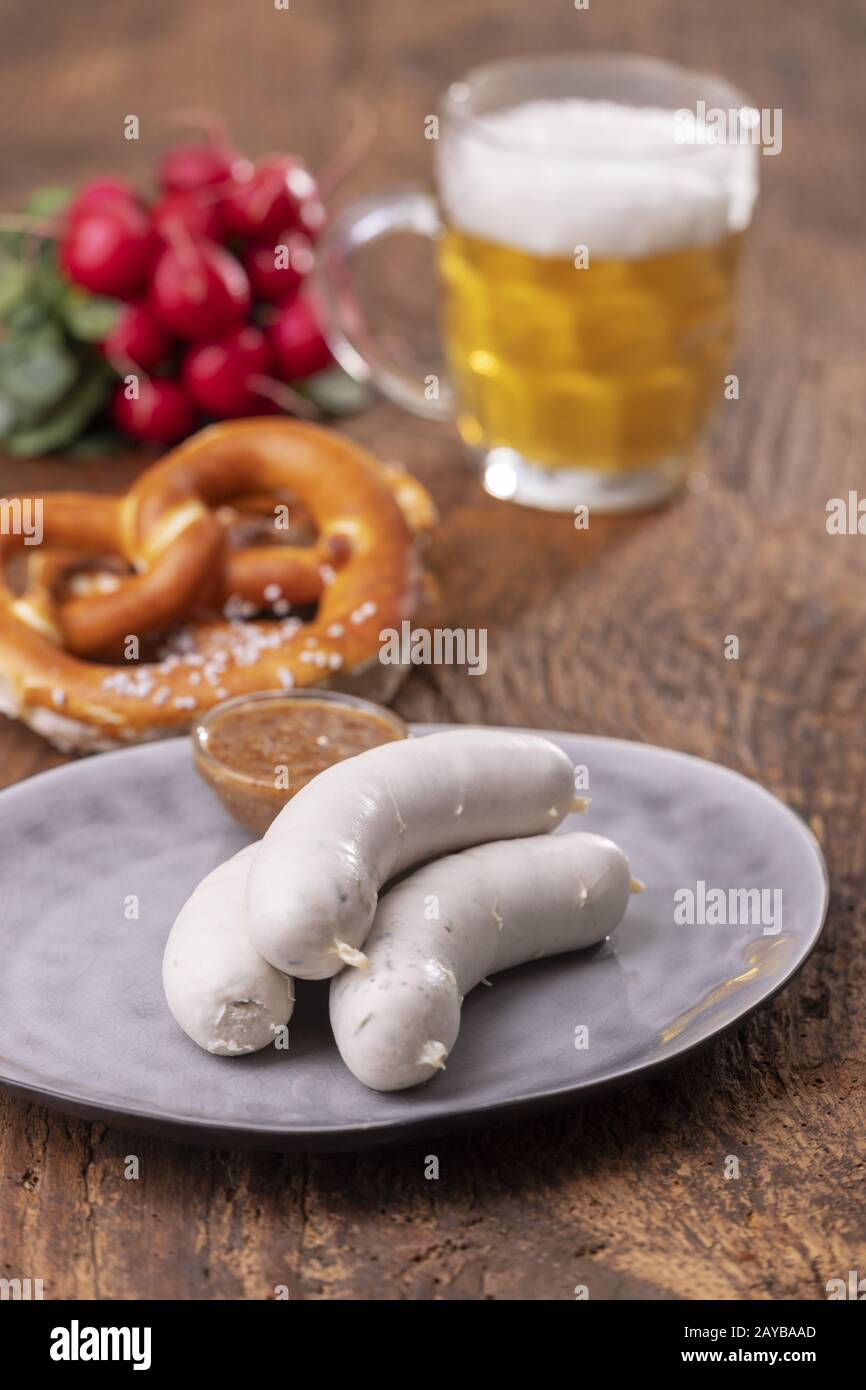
[[180, 559], [362, 570]]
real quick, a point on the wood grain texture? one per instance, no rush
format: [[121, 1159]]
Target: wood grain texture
[[618, 630]]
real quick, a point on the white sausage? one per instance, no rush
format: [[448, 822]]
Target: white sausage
[[498, 905], [314, 884], [222, 993]]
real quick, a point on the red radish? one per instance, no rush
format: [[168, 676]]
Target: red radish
[[303, 194], [109, 249], [188, 167], [194, 212], [216, 376], [198, 290], [268, 199], [136, 338], [98, 194], [299, 348], [161, 414], [276, 271]]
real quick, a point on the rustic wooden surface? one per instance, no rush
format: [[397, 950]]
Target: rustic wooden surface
[[616, 631]]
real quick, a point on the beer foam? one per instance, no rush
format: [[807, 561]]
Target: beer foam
[[549, 176]]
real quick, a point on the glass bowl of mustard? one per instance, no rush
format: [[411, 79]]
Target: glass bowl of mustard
[[257, 751]]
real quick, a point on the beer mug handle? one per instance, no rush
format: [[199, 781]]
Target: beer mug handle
[[351, 340]]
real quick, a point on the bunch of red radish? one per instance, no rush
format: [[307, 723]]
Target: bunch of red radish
[[215, 315]]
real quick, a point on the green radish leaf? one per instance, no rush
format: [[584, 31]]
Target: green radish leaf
[[50, 288], [66, 421], [27, 317], [48, 201], [36, 370], [98, 444], [10, 242], [89, 317], [15, 283], [335, 392]]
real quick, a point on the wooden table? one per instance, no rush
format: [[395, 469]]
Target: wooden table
[[619, 630]]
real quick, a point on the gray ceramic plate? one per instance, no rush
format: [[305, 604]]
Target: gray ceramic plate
[[83, 1025]]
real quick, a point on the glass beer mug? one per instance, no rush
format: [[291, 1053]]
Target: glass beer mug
[[588, 229]]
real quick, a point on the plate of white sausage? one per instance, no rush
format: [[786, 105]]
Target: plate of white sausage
[[461, 927]]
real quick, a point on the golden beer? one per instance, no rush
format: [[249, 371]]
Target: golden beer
[[610, 367], [589, 212]]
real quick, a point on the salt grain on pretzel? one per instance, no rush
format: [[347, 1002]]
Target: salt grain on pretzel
[[361, 570]]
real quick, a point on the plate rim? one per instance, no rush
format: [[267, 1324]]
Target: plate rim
[[304, 1137]]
